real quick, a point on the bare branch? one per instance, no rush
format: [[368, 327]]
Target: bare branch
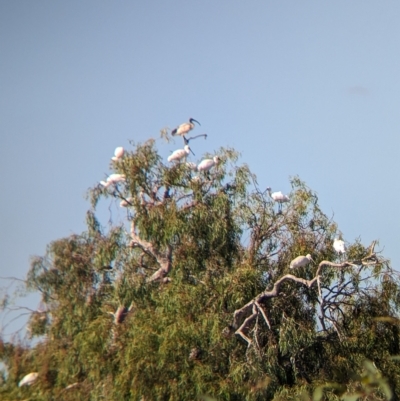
[[163, 258], [244, 317]]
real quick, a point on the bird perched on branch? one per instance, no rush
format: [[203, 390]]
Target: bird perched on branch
[[180, 154], [28, 379], [300, 261], [207, 164], [118, 153], [184, 128], [339, 246], [113, 179], [278, 197]]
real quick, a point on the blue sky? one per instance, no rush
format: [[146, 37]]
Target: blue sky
[[299, 88]]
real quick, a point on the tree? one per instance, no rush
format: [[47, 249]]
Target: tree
[[190, 296]]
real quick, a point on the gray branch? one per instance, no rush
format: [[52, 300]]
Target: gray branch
[[162, 258]]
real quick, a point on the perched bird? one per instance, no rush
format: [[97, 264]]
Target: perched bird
[[207, 164], [300, 261], [179, 154], [278, 197], [118, 153], [339, 246], [113, 179], [28, 379], [184, 128]]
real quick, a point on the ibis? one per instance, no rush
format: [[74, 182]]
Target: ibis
[[179, 154], [278, 197], [207, 164], [118, 153], [184, 128], [339, 246], [28, 379], [300, 261], [113, 179]]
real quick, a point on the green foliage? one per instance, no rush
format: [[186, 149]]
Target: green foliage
[[161, 304]]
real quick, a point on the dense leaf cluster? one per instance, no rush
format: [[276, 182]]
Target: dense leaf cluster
[[144, 308]]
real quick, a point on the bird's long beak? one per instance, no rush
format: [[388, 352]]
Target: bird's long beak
[[312, 260], [192, 152], [192, 119]]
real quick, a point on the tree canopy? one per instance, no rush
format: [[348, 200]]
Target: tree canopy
[[188, 294]]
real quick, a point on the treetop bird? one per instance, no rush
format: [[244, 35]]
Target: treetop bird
[[28, 379], [118, 153], [180, 154], [278, 196], [184, 128], [339, 245], [207, 164], [300, 261], [113, 179]]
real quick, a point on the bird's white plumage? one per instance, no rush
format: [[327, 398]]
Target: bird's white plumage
[[28, 379], [179, 154], [339, 246], [278, 196], [184, 128], [207, 164], [300, 261], [118, 153], [113, 179]]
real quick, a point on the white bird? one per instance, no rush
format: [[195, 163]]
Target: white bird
[[207, 164], [278, 197], [118, 153], [179, 154], [300, 261], [28, 379], [113, 179], [339, 246], [184, 128]]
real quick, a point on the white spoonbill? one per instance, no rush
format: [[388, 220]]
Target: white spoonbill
[[28, 379], [184, 128], [118, 153], [207, 164], [113, 179], [180, 154], [278, 197], [300, 261], [339, 246]]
